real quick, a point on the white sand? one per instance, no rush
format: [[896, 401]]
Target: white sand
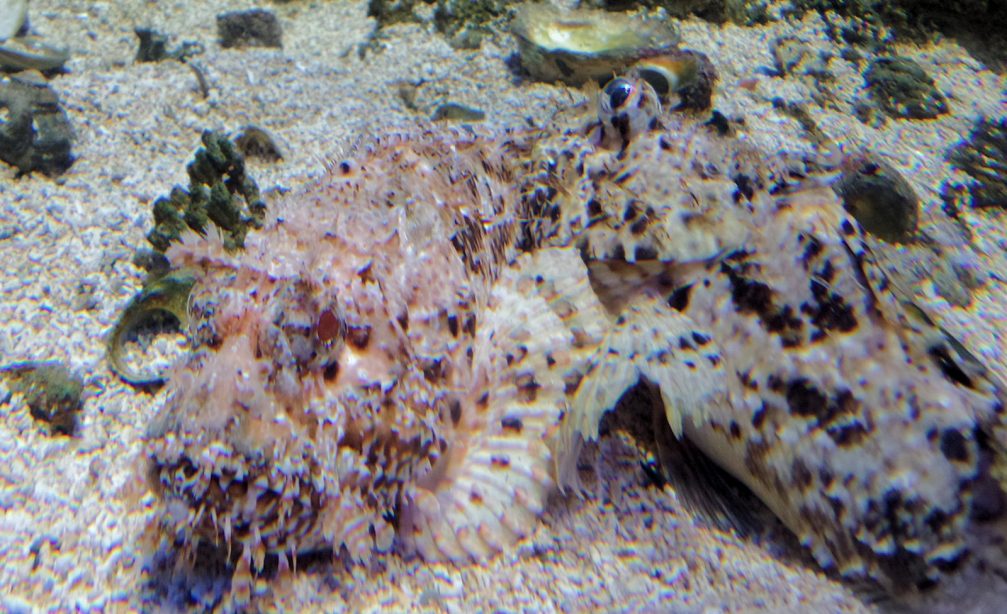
[[72, 510]]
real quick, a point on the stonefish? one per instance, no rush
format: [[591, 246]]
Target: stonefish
[[409, 352]]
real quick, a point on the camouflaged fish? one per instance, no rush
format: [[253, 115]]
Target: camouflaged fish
[[410, 350], [379, 365], [747, 295]]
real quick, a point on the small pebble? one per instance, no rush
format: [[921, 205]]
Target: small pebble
[[251, 28]]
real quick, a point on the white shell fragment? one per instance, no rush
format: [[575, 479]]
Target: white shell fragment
[[582, 45], [12, 16]]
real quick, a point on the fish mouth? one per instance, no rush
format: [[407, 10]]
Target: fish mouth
[[223, 499]]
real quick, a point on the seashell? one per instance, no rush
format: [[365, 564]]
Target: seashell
[[581, 45], [167, 295], [682, 75], [13, 14], [29, 52]]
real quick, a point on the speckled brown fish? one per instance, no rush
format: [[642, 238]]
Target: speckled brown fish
[[748, 296]]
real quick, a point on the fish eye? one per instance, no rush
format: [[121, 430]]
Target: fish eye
[[618, 92], [627, 108]]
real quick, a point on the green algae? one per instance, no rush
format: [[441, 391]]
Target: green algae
[[220, 192]]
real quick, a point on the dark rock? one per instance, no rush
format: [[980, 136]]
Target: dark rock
[[984, 158], [453, 111], [881, 200], [251, 28], [154, 47], [903, 89], [36, 134], [51, 391], [256, 142]]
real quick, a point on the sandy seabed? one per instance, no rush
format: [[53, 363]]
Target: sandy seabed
[[72, 510]]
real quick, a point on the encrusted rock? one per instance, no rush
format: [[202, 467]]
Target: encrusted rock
[[880, 198], [742, 12], [51, 391], [251, 28], [256, 142], [36, 135], [463, 22], [903, 89], [984, 158]]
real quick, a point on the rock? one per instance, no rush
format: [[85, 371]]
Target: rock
[[51, 392], [251, 28], [453, 111], [984, 158], [793, 56], [463, 22], [881, 200], [153, 47], [741, 12], [903, 89], [256, 142], [37, 135], [466, 22]]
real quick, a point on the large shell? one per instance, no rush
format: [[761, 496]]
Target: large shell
[[577, 46]]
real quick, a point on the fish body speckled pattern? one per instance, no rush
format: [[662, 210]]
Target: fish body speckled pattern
[[409, 353]]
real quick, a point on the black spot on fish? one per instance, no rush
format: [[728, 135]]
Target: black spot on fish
[[679, 299], [512, 424], [832, 312], [953, 446], [949, 367], [644, 252], [804, 399], [749, 296], [744, 184]]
